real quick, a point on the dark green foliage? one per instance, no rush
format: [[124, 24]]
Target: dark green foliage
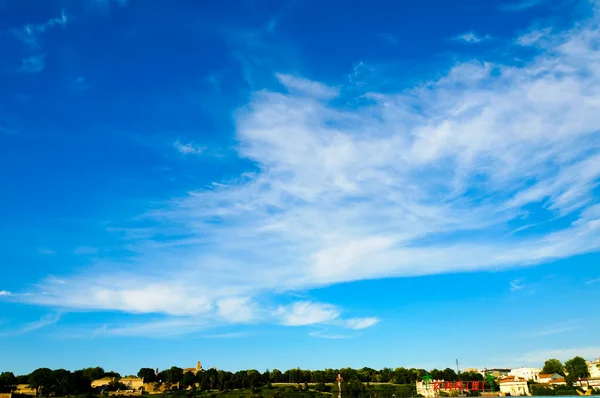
[[322, 387], [93, 373], [42, 380], [554, 366], [7, 379], [148, 374], [188, 379], [576, 368], [22, 379]]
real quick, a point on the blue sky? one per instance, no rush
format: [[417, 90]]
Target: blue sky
[[271, 184]]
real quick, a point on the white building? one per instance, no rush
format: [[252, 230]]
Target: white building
[[514, 385], [526, 373], [594, 368]]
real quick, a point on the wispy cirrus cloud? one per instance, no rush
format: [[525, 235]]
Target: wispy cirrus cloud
[[471, 38], [324, 334], [307, 87], [45, 321], [307, 313], [592, 281], [5, 293], [556, 329], [361, 323], [533, 37], [562, 354], [105, 5], [6, 130], [29, 34], [189, 148], [516, 284], [520, 5], [389, 38], [33, 64], [421, 181]]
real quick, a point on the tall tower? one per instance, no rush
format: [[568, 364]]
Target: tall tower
[[198, 367]]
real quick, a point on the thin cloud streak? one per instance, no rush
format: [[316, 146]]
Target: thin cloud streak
[[471, 38], [323, 334], [516, 284], [561, 354], [189, 148], [29, 34], [45, 321], [33, 64], [521, 5]]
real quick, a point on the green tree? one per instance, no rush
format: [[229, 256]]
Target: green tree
[[575, 368], [188, 379], [450, 375], [42, 380], [174, 375], [7, 379], [353, 388], [276, 376], [554, 366], [80, 383], [93, 373], [62, 382], [148, 374], [22, 379]]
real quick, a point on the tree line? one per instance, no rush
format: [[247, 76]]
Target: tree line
[[62, 382]]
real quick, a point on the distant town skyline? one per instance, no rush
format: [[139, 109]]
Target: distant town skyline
[[260, 184]]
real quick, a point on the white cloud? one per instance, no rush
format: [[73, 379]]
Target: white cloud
[[5, 293], [45, 251], [237, 309], [307, 313], [29, 33], [361, 323], [591, 281], [422, 181], [306, 87], [188, 149], [534, 37], [471, 38], [516, 284], [33, 64]]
